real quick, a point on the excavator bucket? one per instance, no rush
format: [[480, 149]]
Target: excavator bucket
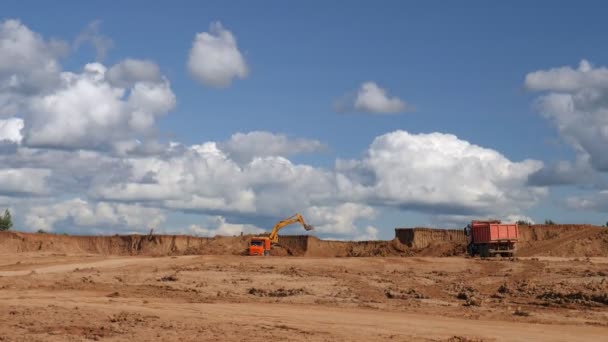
[[308, 227]]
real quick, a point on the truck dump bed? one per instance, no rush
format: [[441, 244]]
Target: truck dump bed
[[494, 232]]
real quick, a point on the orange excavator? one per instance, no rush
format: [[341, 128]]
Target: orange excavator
[[261, 245]]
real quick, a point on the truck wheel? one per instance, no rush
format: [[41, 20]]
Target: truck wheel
[[484, 252], [266, 253]]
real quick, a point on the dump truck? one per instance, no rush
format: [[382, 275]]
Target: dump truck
[[261, 245], [491, 238]]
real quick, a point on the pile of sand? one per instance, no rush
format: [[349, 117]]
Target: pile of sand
[[563, 240], [328, 248]]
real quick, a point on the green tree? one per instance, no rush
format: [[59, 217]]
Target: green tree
[[549, 222], [6, 221], [524, 223]]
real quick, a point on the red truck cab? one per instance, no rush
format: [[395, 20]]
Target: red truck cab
[[259, 246], [491, 238]]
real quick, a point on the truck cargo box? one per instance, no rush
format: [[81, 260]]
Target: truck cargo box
[[494, 232]]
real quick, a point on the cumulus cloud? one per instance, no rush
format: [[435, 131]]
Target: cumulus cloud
[[28, 63], [371, 98], [516, 218], [202, 178], [245, 146], [460, 221], [130, 71], [577, 103], [369, 233], [564, 172], [86, 111], [86, 135], [93, 109], [10, 130], [597, 202], [223, 228], [434, 173], [91, 34], [101, 216], [73, 172], [24, 181], [341, 219], [567, 79], [440, 173], [215, 59]]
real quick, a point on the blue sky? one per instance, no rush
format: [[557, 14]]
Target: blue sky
[[462, 66]]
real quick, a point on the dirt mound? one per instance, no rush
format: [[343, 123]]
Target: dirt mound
[[328, 248], [563, 240], [442, 249], [153, 245], [424, 237], [536, 240]]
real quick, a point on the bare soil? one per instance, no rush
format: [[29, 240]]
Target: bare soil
[[82, 297], [182, 288]]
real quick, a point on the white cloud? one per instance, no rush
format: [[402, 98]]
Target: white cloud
[[88, 112], [10, 130], [370, 233], [515, 218], [203, 178], [439, 173], [215, 59], [435, 173], [577, 103], [223, 228], [566, 173], [341, 219], [593, 202], [91, 34], [371, 98], [28, 63], [246, 146], [73, 172], [460, 221], [567, 79], [94, 109], [24, 181], [80, 213], [130, 71], [87, 135]]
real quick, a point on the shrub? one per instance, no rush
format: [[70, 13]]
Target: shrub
[[6, 221]]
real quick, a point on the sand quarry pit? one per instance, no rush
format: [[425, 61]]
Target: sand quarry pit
[[417, 287]]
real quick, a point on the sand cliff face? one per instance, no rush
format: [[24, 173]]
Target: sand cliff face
[[563, 240], [121, 244], [536, 240]]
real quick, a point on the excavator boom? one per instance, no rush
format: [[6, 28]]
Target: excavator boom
[[262, 245], [274, 235]]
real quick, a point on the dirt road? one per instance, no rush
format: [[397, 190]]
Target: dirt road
[[193, 298]]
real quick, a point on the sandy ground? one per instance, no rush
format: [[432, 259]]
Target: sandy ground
[[57, 297]]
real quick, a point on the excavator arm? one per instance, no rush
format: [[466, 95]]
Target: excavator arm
[[274, 235]]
